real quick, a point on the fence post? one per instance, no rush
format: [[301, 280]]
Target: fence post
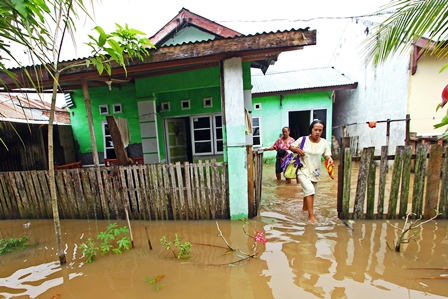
[[345, 143], [345, 182], [395, 186], [250, 180], [419, 179], [364, 166], [382, 182], [433, 182], [405, 181]]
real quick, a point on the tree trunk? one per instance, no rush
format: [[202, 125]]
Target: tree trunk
[[54, 199]]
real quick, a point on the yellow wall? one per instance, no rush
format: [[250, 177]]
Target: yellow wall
[[425, 89]]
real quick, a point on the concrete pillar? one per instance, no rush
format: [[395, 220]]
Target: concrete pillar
[[235, 128]]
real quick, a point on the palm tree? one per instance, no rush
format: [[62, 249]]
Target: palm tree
[[408, 23]]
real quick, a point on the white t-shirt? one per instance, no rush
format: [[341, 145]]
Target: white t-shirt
[[312, 160]]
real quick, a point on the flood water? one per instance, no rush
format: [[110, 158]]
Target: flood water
[[300, 259]]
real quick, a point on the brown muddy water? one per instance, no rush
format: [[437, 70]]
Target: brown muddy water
[[300, 259]]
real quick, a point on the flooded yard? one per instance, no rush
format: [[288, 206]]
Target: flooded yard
[[300, 259]]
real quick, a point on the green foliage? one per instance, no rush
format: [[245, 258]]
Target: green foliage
[[119, 46], [184, 249], [113, 239], [12, 244], [89, 250]]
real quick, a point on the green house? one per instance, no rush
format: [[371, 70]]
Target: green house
[[190, 100], [294, 99]]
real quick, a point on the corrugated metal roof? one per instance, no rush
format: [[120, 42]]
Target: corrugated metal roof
[[16, 108], [301, 79]]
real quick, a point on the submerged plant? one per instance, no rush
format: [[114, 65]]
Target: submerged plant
[[113, 238], [409, 230], [184, 249], [12, 244], [155, 280]]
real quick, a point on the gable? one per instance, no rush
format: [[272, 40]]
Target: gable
[[186, 19], [189, 34]]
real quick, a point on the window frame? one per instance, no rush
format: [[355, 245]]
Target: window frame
[[259, 132], [213, 133]]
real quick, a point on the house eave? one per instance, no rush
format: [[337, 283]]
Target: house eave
[[305, 90]]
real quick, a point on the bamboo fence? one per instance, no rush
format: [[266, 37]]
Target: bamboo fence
[[148, 192]]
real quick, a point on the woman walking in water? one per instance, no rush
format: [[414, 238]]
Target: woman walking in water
[[284, 142], [314, 149]]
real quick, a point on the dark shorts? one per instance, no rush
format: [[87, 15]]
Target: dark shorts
[[278, 166]]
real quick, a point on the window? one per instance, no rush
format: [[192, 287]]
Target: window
[[109, 151], [208, 102], [117, 108], [218, 134], [104, 109], [185, 104], [207, 137], [257, 106], [256, 131], [165, 106]]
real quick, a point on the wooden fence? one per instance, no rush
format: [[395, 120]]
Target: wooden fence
[[417, 183], [148, 192]]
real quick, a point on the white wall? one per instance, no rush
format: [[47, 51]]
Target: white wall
[[381, 94]]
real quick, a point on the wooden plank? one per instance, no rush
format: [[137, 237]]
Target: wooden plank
[[160, 200], [145, 190], [31, 194], [216, 187], [138, 192], [183, 209], [346, 183], [188, 187], [210, 199], [96, 191], [174, 196], [76, 178], [103, 209], [199, 210], [405, 181], [88, 194], [433, 182], [64, 206], [70, 193], [131, 192], [382, 182], [124, 192], [28, 209], [4, 206], [366, 160], [345, 143], [39, 195], [395, 185], [370, 209], [111, 193], [443, 205], [43, 182], [168, 196], [156, 208], [163, 199], [16, 195], [419, 180], [204, 204], [9, 196]]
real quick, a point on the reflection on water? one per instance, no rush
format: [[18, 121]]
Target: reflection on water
[[300, 260]]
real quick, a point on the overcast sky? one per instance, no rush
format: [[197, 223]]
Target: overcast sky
[[247, 17]]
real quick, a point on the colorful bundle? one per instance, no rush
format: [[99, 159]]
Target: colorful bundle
[[329, 169]]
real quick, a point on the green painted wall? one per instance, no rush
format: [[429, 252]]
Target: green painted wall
[[103, 96], [173, 88], [274, 117], [189, 34]]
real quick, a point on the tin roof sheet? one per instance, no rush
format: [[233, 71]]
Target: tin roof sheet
[[300, 79]]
